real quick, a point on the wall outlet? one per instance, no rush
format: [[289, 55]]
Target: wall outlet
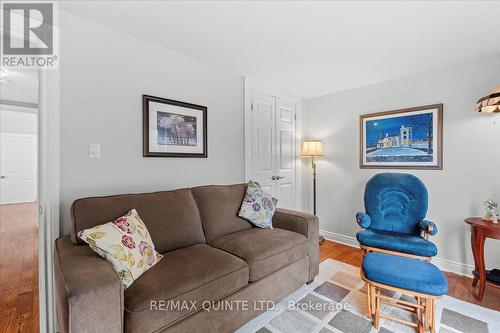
[[95, 150]]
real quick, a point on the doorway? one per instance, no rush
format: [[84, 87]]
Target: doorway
[[19, 286]]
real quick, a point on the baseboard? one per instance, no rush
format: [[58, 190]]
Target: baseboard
[[443, 264], [453, 266], [342, 239]]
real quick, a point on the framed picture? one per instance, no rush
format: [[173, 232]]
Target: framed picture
[[402, 139], [173, 128]]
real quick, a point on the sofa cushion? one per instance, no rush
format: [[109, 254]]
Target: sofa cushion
[[265, 250], [258, 206], [219, 206], [411, 244], [171, 217], [196, 273], [126, 244]]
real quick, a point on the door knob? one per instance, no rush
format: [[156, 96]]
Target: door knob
[[3, 177], [279, 177], [273, 177]]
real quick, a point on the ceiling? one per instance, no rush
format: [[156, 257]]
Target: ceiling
[[310, 48]]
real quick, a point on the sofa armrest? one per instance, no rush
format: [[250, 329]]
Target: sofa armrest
[[428, 227], [89, 292], [305, 224], [364, 220]]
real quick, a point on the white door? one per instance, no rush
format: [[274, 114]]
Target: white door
[[18, 168], [262, 137], [285, 153], [272, 144]]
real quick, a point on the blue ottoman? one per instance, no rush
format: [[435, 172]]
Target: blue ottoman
[[409, 276]]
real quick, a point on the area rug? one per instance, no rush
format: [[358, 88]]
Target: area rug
[[336, 302]]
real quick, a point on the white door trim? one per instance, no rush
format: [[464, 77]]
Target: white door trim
[[250, 85], [48, 192]]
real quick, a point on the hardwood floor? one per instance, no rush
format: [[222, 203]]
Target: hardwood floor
[[459, 286], [18, 268]]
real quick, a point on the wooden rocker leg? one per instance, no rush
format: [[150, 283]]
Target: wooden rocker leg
[[433, 316], [428, 314], [424, 308], [377, 308], [369, 299], [373, 296], [420, 316]]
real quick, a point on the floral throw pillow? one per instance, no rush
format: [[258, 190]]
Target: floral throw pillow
[[258, 206], [126, 244]]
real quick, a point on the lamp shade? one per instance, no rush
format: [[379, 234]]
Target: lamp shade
[[489, 103], [312, 148]]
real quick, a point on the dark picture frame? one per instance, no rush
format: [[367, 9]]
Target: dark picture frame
[[410, 138], [173, 128]]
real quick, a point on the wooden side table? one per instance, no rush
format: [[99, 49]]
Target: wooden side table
[[480, 230]]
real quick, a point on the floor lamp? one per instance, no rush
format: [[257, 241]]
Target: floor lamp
[[313, 148]]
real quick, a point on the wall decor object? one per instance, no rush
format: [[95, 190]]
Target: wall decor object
[[402, 139], [491, 215], [173, 129]]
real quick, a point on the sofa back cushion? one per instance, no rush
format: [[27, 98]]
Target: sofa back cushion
[[219, 206], [171, 217]]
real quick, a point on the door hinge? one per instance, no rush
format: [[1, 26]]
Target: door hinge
[[251, 107], [295, 116]]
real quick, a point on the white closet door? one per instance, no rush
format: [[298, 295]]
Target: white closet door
[[263, 140], [285, 153], [18, 165], [273, 146]]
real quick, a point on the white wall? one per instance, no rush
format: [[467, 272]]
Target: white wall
[[103, 76], [471, 152]]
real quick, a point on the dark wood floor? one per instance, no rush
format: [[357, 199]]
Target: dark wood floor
[[18, 268], [459, 286]]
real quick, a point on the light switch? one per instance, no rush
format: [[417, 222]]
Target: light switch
[[95, 150]]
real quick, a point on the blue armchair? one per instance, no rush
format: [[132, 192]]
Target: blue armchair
[[394, 221]]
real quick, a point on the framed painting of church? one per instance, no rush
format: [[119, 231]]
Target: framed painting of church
[[402, 139]]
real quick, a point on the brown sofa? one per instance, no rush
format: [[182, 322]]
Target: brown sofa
[[211, 256]]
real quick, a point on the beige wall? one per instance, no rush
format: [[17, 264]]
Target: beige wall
[[471, 153]]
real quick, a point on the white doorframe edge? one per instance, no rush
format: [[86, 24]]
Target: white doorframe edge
[[48, 193], [249, 85]]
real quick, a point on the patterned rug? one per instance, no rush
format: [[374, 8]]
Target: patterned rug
[[336, 302]]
